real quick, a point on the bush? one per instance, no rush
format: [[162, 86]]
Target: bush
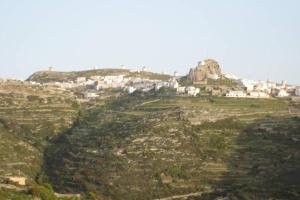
[[175, 172], [217, 142], [33, 98], [44, 192], [92, 196]]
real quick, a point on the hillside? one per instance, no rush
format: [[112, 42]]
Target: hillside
[[29, 116], [55, 76], [145, 147]]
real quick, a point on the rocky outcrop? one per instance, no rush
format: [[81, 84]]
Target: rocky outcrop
[[204, 70]]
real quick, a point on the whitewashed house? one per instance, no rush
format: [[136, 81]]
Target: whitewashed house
[[144, 85], [248, 84], [192, 91], [181, 90], [32, 83], [256, 94], [173, 83], [96, 78], [262, 86], [89, 82], [99, 85], [282, 93], [271, 85], [144, 69], [249, 87], [81, 79], [297, 91], [114, 79], [160, 85], [110, 82], [239, 94], [130, 89]]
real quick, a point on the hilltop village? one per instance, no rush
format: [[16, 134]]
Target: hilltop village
[[205, 79], [123, 134]]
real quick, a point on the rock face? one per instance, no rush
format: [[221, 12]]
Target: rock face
[[204, 68]]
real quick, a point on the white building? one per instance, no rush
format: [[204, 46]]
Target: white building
[[181, 90], [144, 85], [239, 94], [89, 82], [144, 69], [160, 85], [130, 89], [262, 86], [248, 84], [282, 93], [114, 79], [110, 82], [191, 90], [297, 91], [32, 83], [283, 83], [173, 83], [259, 95], [96, 78], [81, 79], [271, 85]]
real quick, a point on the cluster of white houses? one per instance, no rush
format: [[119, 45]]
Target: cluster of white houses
[[146, 85], [251, 88], [264, 89], [127, 84]]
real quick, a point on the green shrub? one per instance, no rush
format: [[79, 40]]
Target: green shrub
[[32, 98], [217, 142], [92, 196], [45, 191], [175, 172]]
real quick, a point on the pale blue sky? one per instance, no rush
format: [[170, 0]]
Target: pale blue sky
[[256, 39]]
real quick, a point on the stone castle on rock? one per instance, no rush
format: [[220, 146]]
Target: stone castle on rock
[[208, 68]]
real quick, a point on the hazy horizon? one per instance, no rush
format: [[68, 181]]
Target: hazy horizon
[[256, 40]]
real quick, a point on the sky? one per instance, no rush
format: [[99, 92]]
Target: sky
[[257, 39]]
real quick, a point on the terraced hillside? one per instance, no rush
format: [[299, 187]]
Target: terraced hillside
[[149, 146], [53, 76], [29, 116], [265, 163]]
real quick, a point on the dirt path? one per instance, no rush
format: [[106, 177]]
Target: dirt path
[[184, 196], [144, 103]]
